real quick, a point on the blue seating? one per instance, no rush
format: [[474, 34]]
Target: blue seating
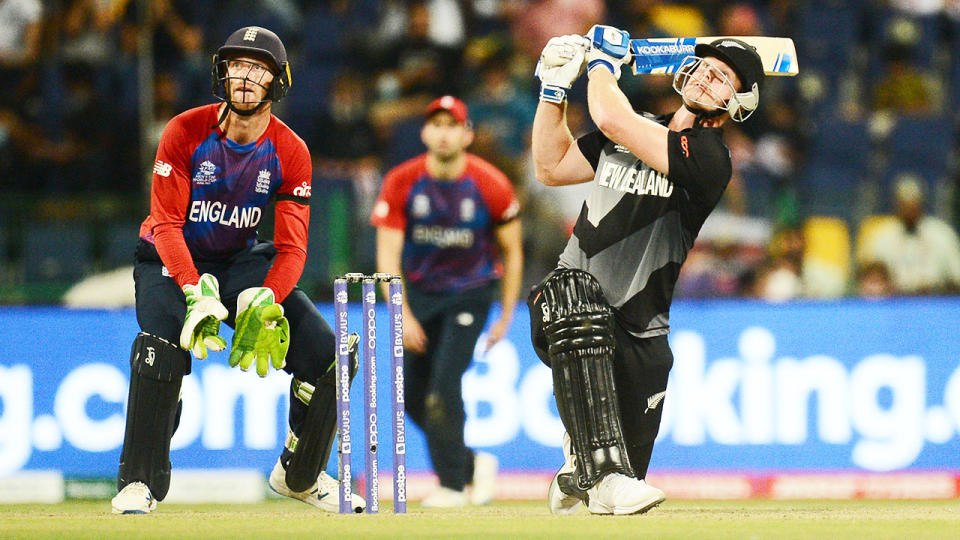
[[827, 31], [308, 97], [56, 252], [829, 189], [922, 144], [839, 143], [119, 245]]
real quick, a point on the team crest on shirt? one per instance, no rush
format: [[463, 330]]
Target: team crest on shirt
[[421, 206], [468, 209], [263, 182], [206, 174]]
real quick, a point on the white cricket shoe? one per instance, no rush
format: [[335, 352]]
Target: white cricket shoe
[[485, 468], [324, 494], [619, 494], [444, 497], [134, 498], [559, 502]]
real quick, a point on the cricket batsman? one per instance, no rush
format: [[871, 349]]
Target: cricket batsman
[[600, 319], [199, 262]]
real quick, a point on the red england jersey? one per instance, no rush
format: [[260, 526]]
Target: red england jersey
[[449, 225], [209, 194]]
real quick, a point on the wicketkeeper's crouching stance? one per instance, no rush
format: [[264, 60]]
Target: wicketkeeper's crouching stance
[[199, 262], [600, 320]]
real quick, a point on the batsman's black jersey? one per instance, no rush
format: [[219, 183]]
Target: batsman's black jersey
[[637, 225]]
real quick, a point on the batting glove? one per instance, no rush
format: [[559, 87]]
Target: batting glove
[[609, 49], [561, 62], [201, 327], [262, 333]]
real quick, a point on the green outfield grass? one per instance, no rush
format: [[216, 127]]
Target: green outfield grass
[[675, 519]]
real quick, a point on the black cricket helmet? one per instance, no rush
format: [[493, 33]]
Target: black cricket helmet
[[260, 43], [746, 63]]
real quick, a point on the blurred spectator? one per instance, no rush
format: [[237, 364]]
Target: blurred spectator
[[781, 277], [492, 16], [904, 87], [415, 63], [541, 20], [712, 270], [447, 23], [922, 252], [20, 27], [679, 19], [412, 70], [89, 27], [500, 110], [342, 131], [740, 19], [177, 42], [725, 256], [873, 281], [918, 7], [19, 33]]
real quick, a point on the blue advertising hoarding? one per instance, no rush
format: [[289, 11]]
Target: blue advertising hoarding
[[809, 386]]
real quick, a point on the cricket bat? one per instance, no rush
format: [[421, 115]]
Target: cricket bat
[[662, 56]]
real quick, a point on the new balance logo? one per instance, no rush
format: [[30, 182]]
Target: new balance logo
[[654, 400], [161, 168], [250, 34]]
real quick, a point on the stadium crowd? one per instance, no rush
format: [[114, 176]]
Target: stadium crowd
[[845, 181]]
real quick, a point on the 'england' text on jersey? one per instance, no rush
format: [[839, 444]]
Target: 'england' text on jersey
[[630, 180], [224, 214], [442, 237]]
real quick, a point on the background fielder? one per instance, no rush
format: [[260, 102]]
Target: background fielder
[[441, 218]]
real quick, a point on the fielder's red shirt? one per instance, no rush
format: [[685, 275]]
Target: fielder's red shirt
[[209, 194], [449, 225]]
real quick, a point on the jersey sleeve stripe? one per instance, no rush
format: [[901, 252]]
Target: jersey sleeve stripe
[[287, 197]]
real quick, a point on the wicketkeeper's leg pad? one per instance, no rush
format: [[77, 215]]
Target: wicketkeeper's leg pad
[[156, 369], [311, 448], [578, 323]]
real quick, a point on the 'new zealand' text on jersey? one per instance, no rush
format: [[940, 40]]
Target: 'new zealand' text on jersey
[[637, 225], [214, 192], [449, 238]]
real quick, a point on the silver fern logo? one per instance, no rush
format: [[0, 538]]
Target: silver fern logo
[[654, 400]]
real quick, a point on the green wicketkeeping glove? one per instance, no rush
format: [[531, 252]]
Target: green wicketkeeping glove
[[262, 333], [201, 327]]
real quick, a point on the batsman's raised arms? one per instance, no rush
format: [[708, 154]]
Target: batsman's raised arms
[[662, 56]]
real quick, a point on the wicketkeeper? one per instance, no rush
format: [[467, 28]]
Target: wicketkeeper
[[199, 262], [600, 320]]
